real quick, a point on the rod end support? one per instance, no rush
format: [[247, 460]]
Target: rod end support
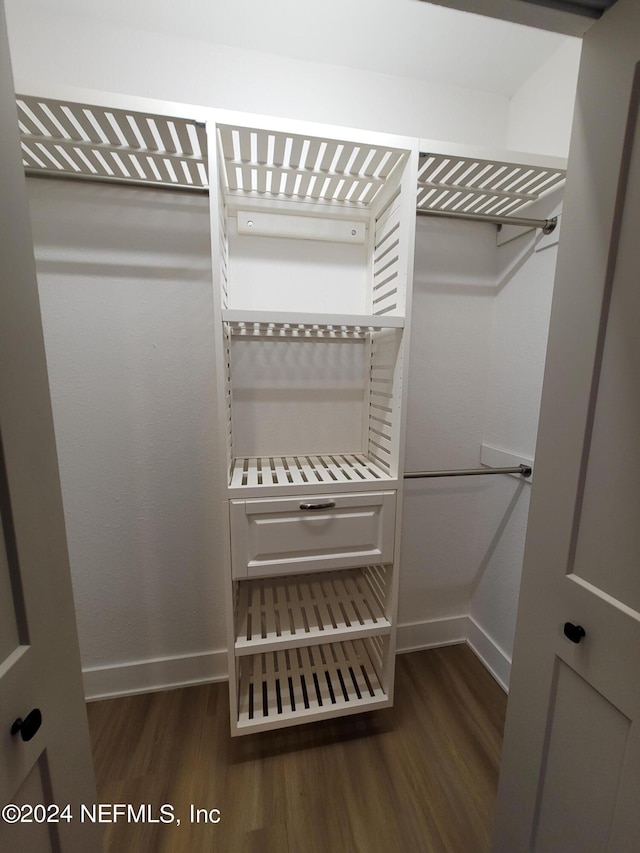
[[550, 225], [526, 470]]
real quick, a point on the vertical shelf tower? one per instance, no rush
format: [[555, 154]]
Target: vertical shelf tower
[[312, 249]]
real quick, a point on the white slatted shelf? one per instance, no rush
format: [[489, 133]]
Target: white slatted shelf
[[81, 140], [280, 165], [336, 469], [297, 685], [86, 141], [277, 324], [471, 185], [303, 610]]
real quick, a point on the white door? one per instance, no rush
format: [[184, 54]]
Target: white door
[[39, 659], [570, 777]]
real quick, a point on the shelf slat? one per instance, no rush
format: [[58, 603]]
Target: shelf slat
[[303, 610]]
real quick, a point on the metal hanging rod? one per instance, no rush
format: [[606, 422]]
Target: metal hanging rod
[[121, 182], [547, 225], [523, 470]]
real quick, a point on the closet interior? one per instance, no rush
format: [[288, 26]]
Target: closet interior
[[312, 239], [312, 254]]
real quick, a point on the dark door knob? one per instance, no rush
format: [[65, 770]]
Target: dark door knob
[[574, 632], [29, 726]]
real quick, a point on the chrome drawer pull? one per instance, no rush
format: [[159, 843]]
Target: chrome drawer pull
[[326, 505]]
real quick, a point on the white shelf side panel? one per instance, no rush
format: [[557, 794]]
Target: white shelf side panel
[[308, 609], [222, 258], [292, 686], [387, 296], [224, 244], [384, 401]]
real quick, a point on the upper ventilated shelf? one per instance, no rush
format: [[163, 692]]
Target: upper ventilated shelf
[[470, 185], [289, 166], [81, 140]]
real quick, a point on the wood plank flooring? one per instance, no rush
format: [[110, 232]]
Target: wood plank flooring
[[420, 777]]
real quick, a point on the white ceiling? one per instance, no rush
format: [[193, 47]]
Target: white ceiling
[[407, 38]]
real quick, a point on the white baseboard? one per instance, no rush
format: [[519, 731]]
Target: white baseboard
[[128, 679], [148, 676], [432, 633], [491, 655], [457, 629]]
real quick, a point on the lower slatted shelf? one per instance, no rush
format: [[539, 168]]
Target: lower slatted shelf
[[292, 686], [306, 609]]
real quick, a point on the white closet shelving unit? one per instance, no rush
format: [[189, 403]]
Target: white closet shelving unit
[[312, 245], [312, 238]]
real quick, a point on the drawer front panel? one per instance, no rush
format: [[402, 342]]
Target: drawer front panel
[[281, 536]]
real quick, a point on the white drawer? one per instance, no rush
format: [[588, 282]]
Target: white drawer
[[277, 536]]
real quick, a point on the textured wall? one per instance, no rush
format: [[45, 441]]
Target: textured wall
[[541, 111], [453, 298], [75, 52], [525, 273], [124, 278]]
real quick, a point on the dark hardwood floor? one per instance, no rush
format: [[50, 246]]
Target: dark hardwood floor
[[420, 777]]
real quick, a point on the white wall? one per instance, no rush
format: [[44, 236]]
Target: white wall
[[541, 111], [479, 330], [125, 287], [453, 296], [74, 52], [522, 307], [540, 118]]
